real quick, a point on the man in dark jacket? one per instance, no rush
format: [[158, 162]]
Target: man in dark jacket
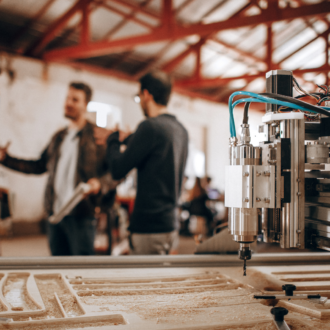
[[71, 157], [158, 149]]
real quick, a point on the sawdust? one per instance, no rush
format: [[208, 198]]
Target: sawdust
[[258, 280], [47, 287], [311, 305], [66, 327], [15, 292], [163, 291], [150, 285], [179, 279], [178, 305]]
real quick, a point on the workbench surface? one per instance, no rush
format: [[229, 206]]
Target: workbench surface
[[159, 298]]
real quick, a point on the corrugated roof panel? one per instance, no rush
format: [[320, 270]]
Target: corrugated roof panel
[[149, 50], [155, 5], [237, 70], [208, 54], [314, 60], [287, 31], [260, 52], [305, 55], [176, 49], [225, 11], [232, 36], [293, 44], [102, 21], [27, 8], [130, 29], [217, 67], [257, 85], [150, 20], [57, 9], [320, 26], [257, 36], [187, 66], [195, 10]]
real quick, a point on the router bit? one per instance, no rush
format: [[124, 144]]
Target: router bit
[[244, 254]]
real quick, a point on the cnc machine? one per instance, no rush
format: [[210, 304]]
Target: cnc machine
[[281, 188]]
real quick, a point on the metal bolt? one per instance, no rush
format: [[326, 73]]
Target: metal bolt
[[299, 193], [258, 173], [267, 200], [246, 200], [246, 174], [298, 231], [266, 173], [258, 199], [298, 180], [298, 245]]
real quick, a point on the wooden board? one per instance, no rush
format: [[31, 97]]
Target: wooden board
[[308, 280], [176, 298]]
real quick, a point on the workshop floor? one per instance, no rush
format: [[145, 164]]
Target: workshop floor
[[37, 246]]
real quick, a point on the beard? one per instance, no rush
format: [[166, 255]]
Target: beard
[[70, 114]]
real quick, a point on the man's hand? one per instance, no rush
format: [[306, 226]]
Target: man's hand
[[3, 151], [101, 135], [95, 186], [124, 134]]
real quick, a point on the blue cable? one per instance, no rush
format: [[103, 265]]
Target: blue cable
[[258, 99]]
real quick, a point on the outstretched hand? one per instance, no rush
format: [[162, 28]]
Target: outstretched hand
[[124, 134], [3, 151], [101, 135], [95, 186]]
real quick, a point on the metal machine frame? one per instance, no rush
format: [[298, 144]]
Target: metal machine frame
[[280, 189]]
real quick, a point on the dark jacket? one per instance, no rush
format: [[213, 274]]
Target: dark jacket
[[158, 149], [90, 165]]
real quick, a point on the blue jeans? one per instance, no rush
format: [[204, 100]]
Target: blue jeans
[[73, 236]]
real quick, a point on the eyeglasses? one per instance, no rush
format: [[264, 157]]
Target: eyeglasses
[[137, 98]]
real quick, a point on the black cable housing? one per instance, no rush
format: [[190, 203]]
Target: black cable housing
[[297, 102], [245, 114]]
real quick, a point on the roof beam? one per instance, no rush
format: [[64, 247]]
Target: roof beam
[[213, 82], [168, 18], [169, 66], [151, 62], [269, 45], [54, 29], [37, 16], [106, 47], [137, 8], [237, 50], [85, 24], [126, 15], [70, 31]]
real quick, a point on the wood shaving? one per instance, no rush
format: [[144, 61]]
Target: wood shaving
[[47, 287], [15, 292]]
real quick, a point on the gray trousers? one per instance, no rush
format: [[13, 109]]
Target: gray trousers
[[141, 244]]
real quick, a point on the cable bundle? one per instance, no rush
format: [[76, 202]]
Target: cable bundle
[[270, 98]]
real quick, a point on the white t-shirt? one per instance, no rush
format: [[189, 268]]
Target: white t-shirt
[[65, 175]]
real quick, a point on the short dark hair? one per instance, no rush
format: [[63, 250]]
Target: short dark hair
[[83, 87], [158, 84]]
